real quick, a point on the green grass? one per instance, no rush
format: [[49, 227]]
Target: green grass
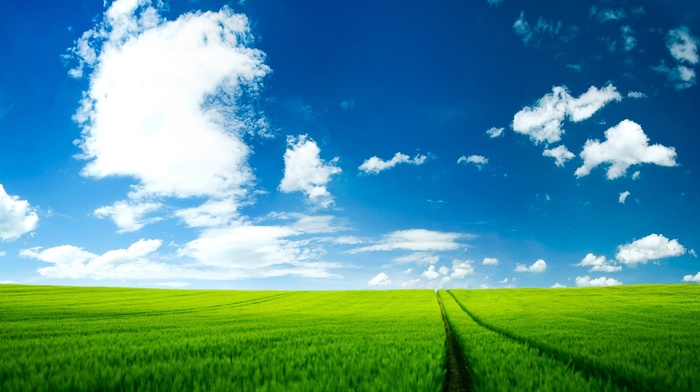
[[87, 339], [114, 339], [644, 337]]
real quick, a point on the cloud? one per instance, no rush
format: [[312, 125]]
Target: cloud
[[625, 145], [167, 103], [682, 77], [636, 94], [381, 279], [478, 160], [129, 215], [212, 213], [3, 253], [431, 273], [623, 197], [560, 154], [607, 14], [16, 216], [410, 283], [558, 286], [629, 42], [651, 247], [76, 263], [418, 258], [494, 132], [636, 175], [598, 264], [691, 278], [586, 281], [526, 32], [305, 171], [490, 261], [682, 45], [461, 269], [173, 284], [542, 122], [538, 266], [375, 165], [692, 253], [420, 240], [345, 105]]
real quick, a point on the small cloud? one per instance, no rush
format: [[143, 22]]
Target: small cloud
[[494, 132], [537, 267], [411, 283], [461, 269], [3, 254], [682, 45], [560, 154], [478, 160], [173, 284], [375, 164], [490, 261], [628, 39], [345, 105], [623, 197], [692, 253], [381, 279], [586, 281], [625, 145], [503, 281], [636, 94], [607, 14], [420, 258], [636, 174], [431, 273], [649, 248], [558, 286], [598, 264], [574, 67], [408, 271], [692, 278]]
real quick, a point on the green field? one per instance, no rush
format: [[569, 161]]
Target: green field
[[88, 339]]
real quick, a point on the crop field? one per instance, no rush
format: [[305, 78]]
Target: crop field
[[115, 339]]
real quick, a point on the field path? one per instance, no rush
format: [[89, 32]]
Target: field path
[[586, 368], [457, 377]]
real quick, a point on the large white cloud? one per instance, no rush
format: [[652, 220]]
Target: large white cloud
[[586, 281], [542, 122], [305, 171], [649, 248], [419, 240], [682, 45], [381, 279], [692, 278], [164, 104], [16, 216], [598, 264], [625, 145], [129, 215], [375, 164], [538, 266]]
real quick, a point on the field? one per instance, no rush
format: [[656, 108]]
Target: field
[[612, 339]]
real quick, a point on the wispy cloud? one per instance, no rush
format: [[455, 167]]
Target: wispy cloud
[[374, 165]]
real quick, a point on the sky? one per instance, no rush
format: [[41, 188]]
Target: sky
[[321, 145]]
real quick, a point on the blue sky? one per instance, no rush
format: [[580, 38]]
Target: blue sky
[[349, 145]]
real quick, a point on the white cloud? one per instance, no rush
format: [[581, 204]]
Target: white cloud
[[536, 267], [478, 160], [211, 213], [629, 42], [76, 263], [692, 253], [494, 132], [560, 154], [504, 281], [381, 279], [558, 286], [3, 254], [418, 258], [16, 217], [691, 278], [542, 122], [461, 269], [623, 197], [173, 284], [625, 145], [636, 94], [490, 261], [305, 171], [526, 32], [682, 45], [607, 14], [411, 283], [636, 175], [651, 247], [598, 264], [375, 165], [431, 273], [586, 281], [129, 215], [682, 77], [165, 103], [419, 240]]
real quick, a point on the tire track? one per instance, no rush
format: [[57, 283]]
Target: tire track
[[457, 377], [579, 364]]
